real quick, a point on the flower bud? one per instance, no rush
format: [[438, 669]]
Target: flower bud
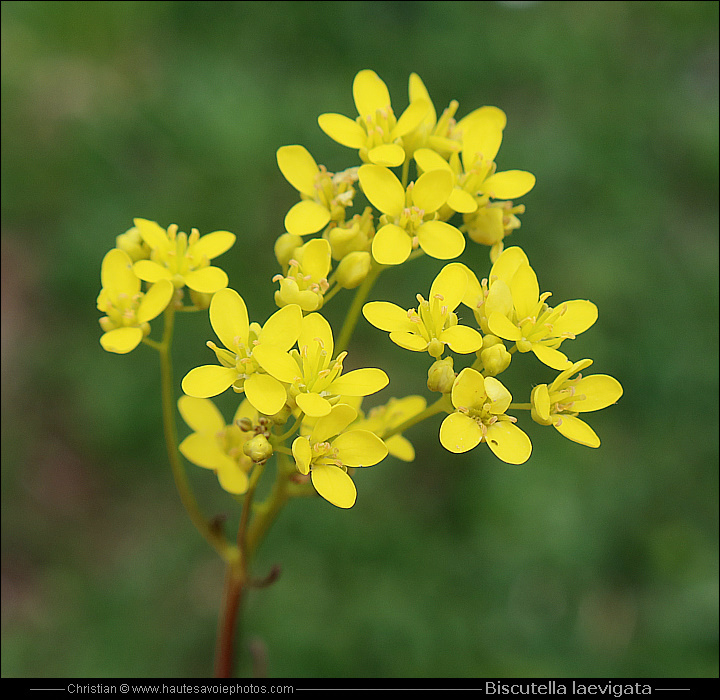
[[441, 376], [353, 269], [436, 347], [494, 356], [258, 448], [285, 247], [132, 243], [201, 299]]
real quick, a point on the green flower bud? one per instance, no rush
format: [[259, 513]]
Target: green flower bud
[[285, 247], [258, 448]]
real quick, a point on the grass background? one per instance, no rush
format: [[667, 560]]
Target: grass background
[[581, 562]]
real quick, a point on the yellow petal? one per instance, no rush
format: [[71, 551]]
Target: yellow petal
[[599, 390], [499, 299], [359, 382], [342, 129], [116, 274], [503, 327], [299, 168], [481, 138], [411, 118], [440, 240], [150, 271], [313, 405], [469, 389], [203, 450], [370, 93], [409, 341], [277, 363], [334, 485], [550, 357], [525, 291], [459, 433], [462, 339], [229, 318], [497, 393], [463, 202], [314, 257], [316, 328], [121, 340], [576, 430], [359, 448], [400, 447], [265, 393], [417, 91], [202, 415], [282, 328], [577, 317], [507, 264], [155, 301], [233, 479], [153, 234], [382, 188], [340, 416], [211, 245], [208, 380], [508, 442], [432, 189], [509, 184], [302, 452], [391, 245], [450, 283], [389, 155], [387, 316], [207, 280], [493, 117], [540, 399], [427, 160], [306, 217]]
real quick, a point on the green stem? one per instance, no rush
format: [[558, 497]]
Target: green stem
[[442, 404], [521, 406], [354, 313], [214, 537]]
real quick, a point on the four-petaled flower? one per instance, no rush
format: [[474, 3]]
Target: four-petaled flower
[[376, 133], [238, 363], [305, 281], [434, 324], [128, 309], [183, 259], [410, 215], [329, 450], [559, 403], [480, 404]]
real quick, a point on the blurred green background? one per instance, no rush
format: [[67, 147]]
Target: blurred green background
[[579, 563]]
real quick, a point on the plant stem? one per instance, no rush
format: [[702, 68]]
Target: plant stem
[[442, 404], [225, 647]]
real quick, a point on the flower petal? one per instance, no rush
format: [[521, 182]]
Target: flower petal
[[233, 479], [334, 485], [299, 168], [525, 291], [508, 184], [497, 393], [359, 382], [450, 283], [340, 416], [382, 188], [440, 240], [599, 391], [432, 189], [207, 280], [211, 245], [229, 318], [153, 234], [459, 433], [315, 257], [576, 430], [202, 449], [277, 363], [370, 93], [577, 317], [121, 340], [265, 393], [400, 447], [208, 380], [387, 316], [469, 389], [503, 327], [550, 357], [282, 328], [116, 274], [507, 264], [412, 117], [302, 452], [342, 129], [508, 442], [409, 341], [389, 155], [463, 202], [462, 339], [427, 160], [391, 245], [202, 415], [306, 217], [316, 328], [313, 404], [150, 271], [540, 399], [360, 448], [155, 301]]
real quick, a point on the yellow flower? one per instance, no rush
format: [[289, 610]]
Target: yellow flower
[[434, 324], [560, 403], [328, 452], [316, 380], [351, 236], [128, 309], [183, 259], [376, 133], [491, 224], [214, 445], [306, 279], [382, 419], [325, 196], [410, 215], [480, 404], [238, 364]]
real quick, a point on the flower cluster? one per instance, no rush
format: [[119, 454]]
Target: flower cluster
[[419, 185]]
